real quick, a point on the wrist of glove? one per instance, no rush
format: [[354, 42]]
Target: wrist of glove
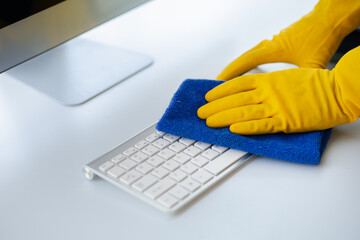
[[293, 100], [309, 42]]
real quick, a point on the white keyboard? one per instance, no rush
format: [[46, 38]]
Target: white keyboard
[[164, 170]]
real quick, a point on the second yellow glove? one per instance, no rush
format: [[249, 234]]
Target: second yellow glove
[[309, 42]]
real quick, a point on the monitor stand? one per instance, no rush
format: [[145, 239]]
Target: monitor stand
[[78, 70]]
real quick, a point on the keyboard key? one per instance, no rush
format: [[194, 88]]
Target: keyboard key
[[159, 188], [130, 177], [181, 158], [118, 158], [128, 164], [130, 151], [139, 157], [210, 154], [160, 133], [144, 183], [171, 165], [160, 172], [161, 143], [155, 161], [202, 176], [225, 160], [167, 200], [105, 166], [202, 145], [178, 175], [170, 137], [144, 168], [186, 141], [152, 137], [116, 171], [219, 149], [166, 154], [141, 144], [177, 147], [200, 161], [190, 184], [150, 150], [188, 168], [179, 192], [192, 151]]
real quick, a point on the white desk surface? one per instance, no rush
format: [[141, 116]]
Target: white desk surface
[[43, 145]]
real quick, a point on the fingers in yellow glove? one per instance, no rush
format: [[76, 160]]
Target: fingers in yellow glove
[[264, 52], [246, 83], [293, 100], [240, 114], [261, 126], [309, 42], [229, 102]]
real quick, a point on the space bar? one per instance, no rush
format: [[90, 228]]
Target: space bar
[[224, 161]]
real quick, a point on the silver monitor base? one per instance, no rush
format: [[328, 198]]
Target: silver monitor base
[[79, 69]]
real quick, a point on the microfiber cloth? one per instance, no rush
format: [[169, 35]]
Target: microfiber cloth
[[180, 118]]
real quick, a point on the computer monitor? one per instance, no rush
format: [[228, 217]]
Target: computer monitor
[[39, 46]]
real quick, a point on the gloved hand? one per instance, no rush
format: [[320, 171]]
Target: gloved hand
[[309, 42], [293, 100]]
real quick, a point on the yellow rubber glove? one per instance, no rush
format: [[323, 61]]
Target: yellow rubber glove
[[309, 42], [293, 100]]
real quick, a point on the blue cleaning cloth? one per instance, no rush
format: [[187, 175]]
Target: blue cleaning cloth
[[180, 118]]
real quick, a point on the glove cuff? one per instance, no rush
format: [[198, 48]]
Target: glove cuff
[[343, 15], [347, 78]]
